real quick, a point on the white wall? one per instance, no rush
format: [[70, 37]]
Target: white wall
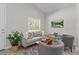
[[78, 24], [70, 21], [17, 16]]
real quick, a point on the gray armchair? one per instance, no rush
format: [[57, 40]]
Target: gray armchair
[[68, 41]]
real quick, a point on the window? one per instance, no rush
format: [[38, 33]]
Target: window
[[33, 24]]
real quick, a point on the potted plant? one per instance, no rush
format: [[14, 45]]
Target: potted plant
[[15, 39]]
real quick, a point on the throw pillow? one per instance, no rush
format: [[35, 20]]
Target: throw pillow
[[30, 35], [36, 34], [25, 35]]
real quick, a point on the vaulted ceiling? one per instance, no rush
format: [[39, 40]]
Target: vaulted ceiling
[[52, 7]]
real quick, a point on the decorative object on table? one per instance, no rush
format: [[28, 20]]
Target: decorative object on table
[[57, 37], [57, 40], [58, 23], [48, 41], [15, 39]]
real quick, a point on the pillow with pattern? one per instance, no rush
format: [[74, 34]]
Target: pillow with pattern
[[30, 35], [36, 34]]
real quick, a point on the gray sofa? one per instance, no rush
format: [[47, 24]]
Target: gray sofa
[[28, 42], [30, 38]]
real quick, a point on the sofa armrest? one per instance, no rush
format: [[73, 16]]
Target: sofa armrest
[[24, 42]]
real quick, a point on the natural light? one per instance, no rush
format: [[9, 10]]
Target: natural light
[[33, 24]]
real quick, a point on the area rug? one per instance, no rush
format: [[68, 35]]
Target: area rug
[[32, 50]]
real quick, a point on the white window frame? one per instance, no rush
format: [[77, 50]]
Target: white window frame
[[39, 25]]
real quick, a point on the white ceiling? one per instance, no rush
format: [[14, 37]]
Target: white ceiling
[[51, 7]]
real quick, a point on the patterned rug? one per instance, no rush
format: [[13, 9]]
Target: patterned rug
[[32, 50]]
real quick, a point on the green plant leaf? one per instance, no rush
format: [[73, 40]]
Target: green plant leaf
[[15, 38]]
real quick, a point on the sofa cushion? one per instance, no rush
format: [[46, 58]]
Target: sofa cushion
[[34, 39], [37, 34]]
